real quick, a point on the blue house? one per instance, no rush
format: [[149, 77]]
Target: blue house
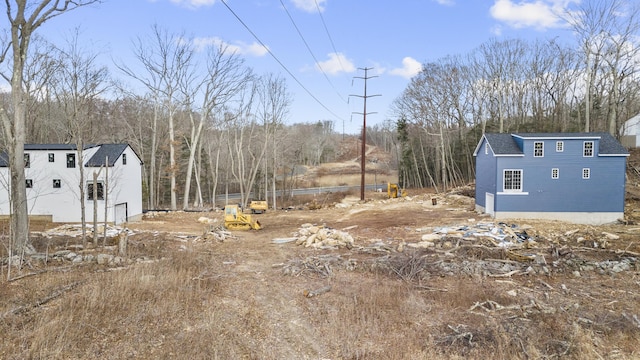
[[574, 177]]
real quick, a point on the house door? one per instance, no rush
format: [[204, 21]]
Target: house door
[[120, 214], [488, 204]]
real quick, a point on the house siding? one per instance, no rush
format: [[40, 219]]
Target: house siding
[[63, 204], [485, 174], [603, 191], [128, 185], [595, 200]]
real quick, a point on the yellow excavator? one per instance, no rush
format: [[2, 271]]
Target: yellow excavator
[[393, 191], [235, 219]]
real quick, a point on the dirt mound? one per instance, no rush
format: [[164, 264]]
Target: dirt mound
[[346, 170]]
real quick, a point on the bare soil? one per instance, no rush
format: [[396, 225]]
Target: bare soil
[[567, 291]]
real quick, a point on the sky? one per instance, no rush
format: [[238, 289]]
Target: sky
[[320, 47]]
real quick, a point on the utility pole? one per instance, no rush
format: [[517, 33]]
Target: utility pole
[[364, 127]]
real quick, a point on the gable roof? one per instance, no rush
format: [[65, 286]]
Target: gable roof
[[503, 144], [112, 151]]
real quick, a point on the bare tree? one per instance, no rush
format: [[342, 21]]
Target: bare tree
[[166, 58], [621, 58], [263, 110], [76, 87], [25, 17], [225, 77], [275, 101], [591, 24], [43, 64]]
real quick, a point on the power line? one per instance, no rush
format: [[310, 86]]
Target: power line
[[277, 60], [326, 29], [311, 52]]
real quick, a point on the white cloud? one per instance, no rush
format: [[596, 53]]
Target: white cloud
[[193, 4], [410, 68], [241, 48], [496, 30], [539, 14], [310, 6], [446, 2], [336, 63]]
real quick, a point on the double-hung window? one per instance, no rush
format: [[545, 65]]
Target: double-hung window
[[587, 149], [538, 149], [71, 160], [99, 190], [512, 180]]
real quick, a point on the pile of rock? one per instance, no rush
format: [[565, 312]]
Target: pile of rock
[[322, 237]]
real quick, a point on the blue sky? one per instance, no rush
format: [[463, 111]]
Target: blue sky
[[391, 37]]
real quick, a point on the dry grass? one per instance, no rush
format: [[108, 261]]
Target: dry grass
[[200, 303], [235, 299]]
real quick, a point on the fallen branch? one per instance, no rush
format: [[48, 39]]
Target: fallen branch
[[513, 272], [316, 292], [54, 295], [429, 288]]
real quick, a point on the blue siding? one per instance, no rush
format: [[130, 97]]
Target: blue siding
[[485, 174], [603, 192]]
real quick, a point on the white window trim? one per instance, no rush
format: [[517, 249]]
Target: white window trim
[[588, 172], [541, 149], [557, 171], [584, 148], [559, 146], [512, 191]]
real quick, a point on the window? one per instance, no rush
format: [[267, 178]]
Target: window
[[29, 183], [587, 150], [52, 157], [538, 149], [99, 191], [559, 146], [71, 160], [124, 159], [57, 183], [586, 173], [486, 149], [555, 173], [27, 160], [512, 180]]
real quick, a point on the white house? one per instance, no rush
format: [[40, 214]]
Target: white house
[[630, 132], [52, 174]]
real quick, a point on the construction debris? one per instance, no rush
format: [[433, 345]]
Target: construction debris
[[216, 233], [501, 234], [322, 237]]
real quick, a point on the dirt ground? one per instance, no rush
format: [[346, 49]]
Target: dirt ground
[[423, 277], [587, 276]]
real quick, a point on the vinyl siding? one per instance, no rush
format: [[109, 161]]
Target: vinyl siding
[[485, 174], [603, 192]]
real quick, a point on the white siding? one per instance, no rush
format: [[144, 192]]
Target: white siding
[[63, 204]]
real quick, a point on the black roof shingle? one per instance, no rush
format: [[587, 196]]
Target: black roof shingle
[[110, 151], [505, 144]]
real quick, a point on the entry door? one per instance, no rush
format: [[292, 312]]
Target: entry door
[[488, 204], [120, 214]]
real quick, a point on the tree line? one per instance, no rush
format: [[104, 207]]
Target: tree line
[[205, 124], [513, 85]]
